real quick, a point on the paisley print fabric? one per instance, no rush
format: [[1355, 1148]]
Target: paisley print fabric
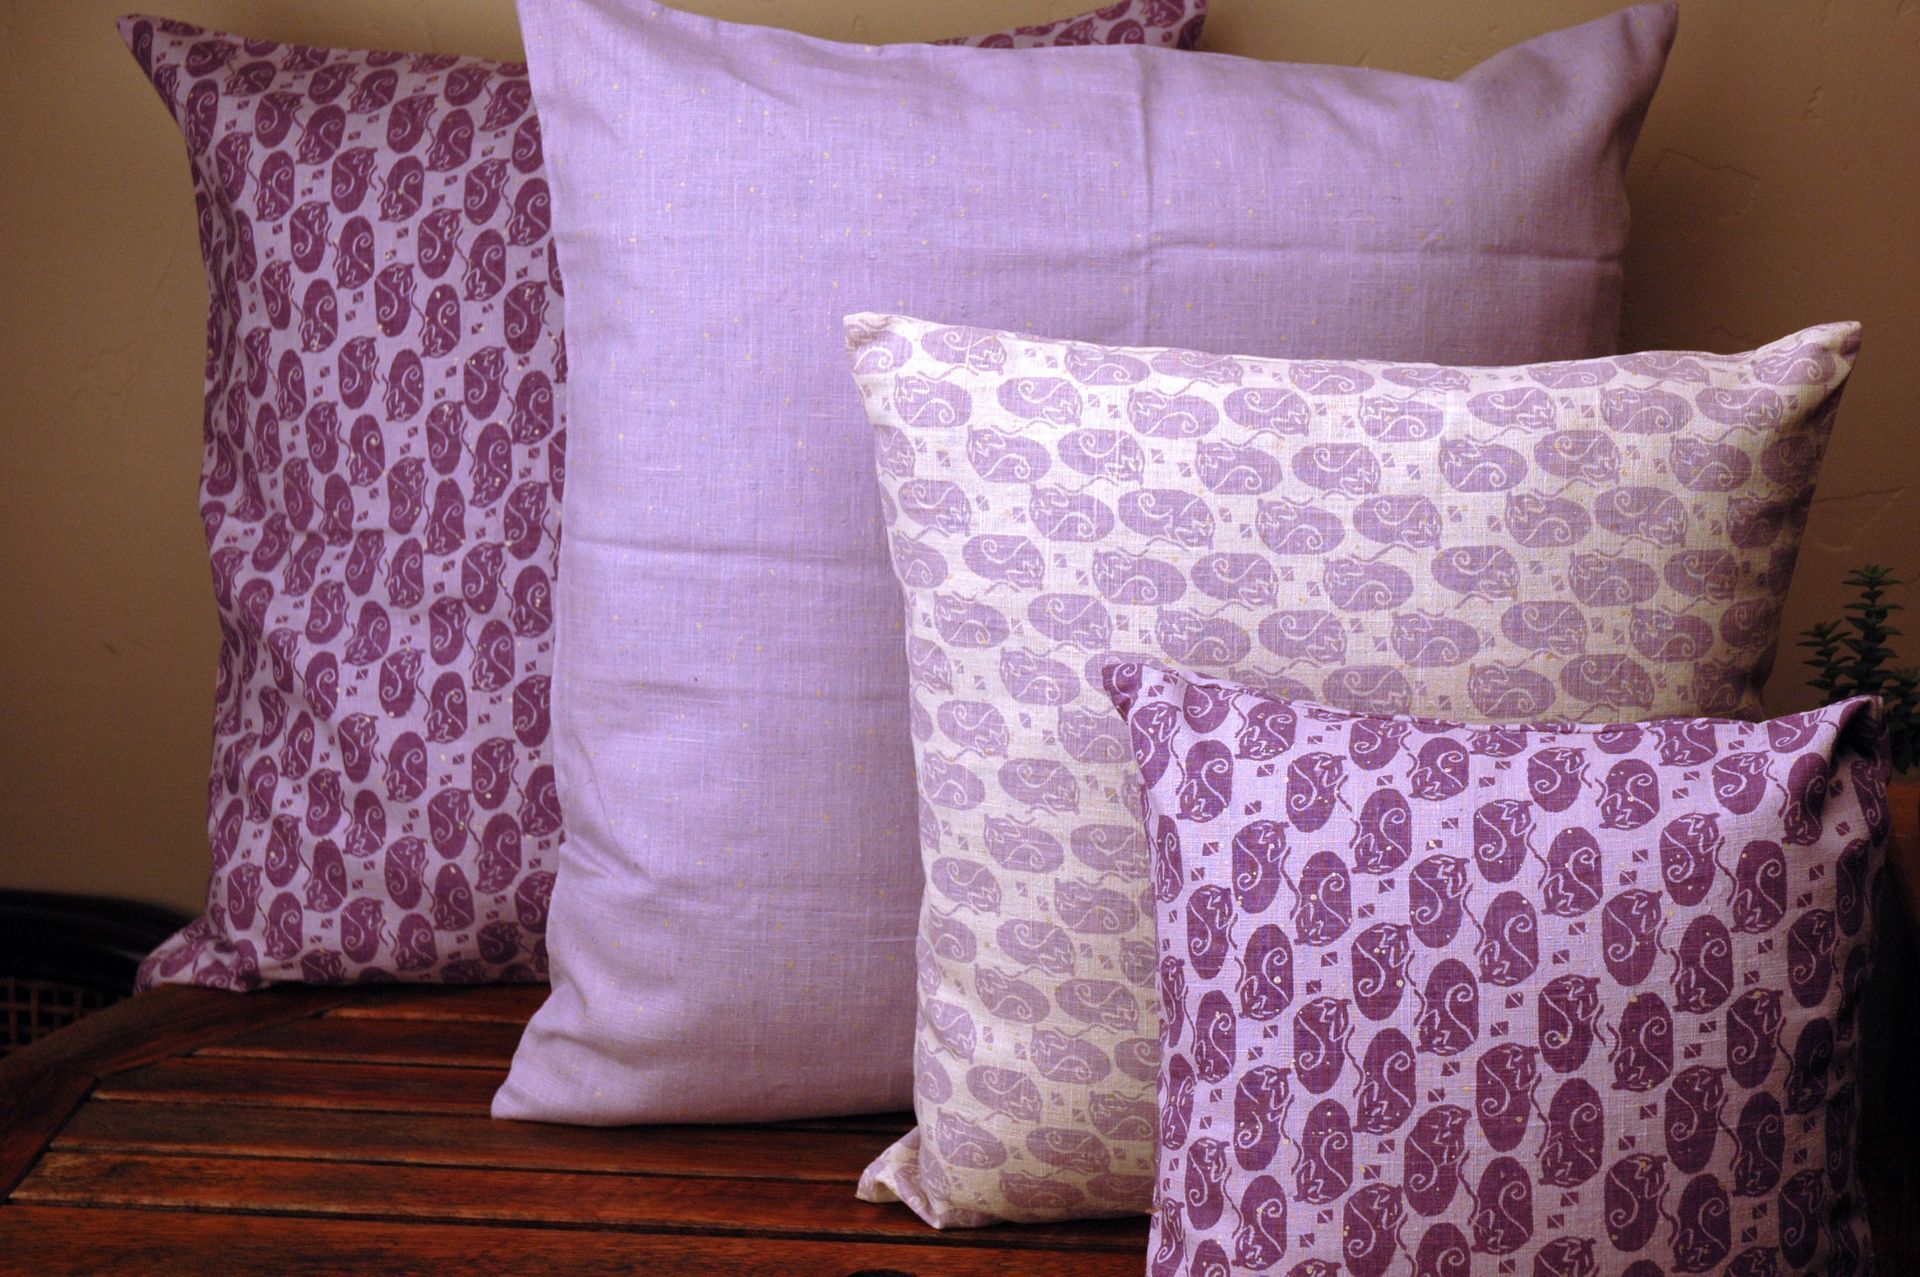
[[385, 455], [1171, 23], [1585, 541], [729, 720], [1451, 999]]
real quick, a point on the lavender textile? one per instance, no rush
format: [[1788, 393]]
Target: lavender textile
[[1561, 1000], [733, 925]]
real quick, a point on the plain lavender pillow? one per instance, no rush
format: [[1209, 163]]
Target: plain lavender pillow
[[733, 926]]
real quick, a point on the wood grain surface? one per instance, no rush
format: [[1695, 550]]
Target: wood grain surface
[[346, 1131]]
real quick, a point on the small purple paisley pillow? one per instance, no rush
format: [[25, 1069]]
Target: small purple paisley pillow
[[1550, 1000], [385, 449]]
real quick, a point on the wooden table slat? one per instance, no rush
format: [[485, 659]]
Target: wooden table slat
[[466, 1195], [133, 1243], [428, 1139], [31, 1115], [455, 1044], [345, 1131], [41, 1084], [371, 1088], [493, 1003], [164, 1022], [317, 1084]]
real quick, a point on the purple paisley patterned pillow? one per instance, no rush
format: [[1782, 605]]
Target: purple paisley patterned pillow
[[385, 453], [1549, 1000]]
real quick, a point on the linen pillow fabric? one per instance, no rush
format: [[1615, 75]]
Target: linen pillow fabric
[[1591, 540], [734, 924], [1549, 1000], [385, 455]]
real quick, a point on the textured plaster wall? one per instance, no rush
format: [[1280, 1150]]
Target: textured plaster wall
[[1777, 184]]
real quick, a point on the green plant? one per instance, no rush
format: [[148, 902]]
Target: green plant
[[1851, 657]]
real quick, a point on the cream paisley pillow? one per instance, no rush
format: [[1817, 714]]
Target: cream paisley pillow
[[1594, 541]]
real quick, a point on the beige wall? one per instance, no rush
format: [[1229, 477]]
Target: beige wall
[[1777, 184]]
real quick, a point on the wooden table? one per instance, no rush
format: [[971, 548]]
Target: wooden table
[[346, 1131]]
